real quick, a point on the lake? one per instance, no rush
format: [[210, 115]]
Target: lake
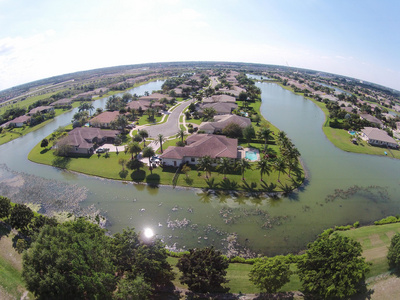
[[341, 188]]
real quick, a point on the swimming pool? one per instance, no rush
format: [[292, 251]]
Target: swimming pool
[[352, 132], [251, 155]]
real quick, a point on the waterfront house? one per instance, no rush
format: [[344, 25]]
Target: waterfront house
[[40, 109], [378, 137], [198, 146], [83, 140], [371, 119], [104, 119], [19, 121], [221, 108], [219, 98]]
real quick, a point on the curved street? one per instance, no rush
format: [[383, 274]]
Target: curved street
[[171, 127]]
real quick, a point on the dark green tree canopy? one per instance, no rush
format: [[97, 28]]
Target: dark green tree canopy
[[70, 261], [20, 217], [5, 207], [394, 252], [270, 274], [203, 270], [333, 267]]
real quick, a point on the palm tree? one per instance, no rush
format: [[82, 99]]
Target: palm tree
[[282, 139], [264, 166], [224, 165], [280, 166], [160, 140], [181, 134], [144, 134], [243, 165], [86, 106], [205, 164], [122, 162], [265, 134], [133, 147]]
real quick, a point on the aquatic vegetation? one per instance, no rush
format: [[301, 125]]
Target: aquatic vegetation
[[372, 192]]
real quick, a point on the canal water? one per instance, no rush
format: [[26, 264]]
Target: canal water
[[341, 188]]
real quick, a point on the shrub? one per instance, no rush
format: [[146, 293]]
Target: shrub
[[387, 220]]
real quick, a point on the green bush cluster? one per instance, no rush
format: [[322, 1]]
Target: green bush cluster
[[388, 220]]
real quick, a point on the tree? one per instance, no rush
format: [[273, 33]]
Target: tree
[[270, 274], [249, 134], [70, 261], [148, 152], [160, 140], [243, 165], [394, 252], [208, 113], [119, 123], [224, 165], [280, 166], [5, 207], [144, 134], [134, 148], [44, 143], [181, 134], [265, 134], [135, 257], [133, 289], [203, 270], [20, 217], [86, 106], [122, 162], [233, 130], [62, 147], [205, 164], [185, 170], [264, 166], [333, 266]]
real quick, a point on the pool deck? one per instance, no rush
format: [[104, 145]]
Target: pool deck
[[242, 153]]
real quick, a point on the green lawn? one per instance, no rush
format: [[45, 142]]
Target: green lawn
[[238, 278], [10, 267], [375, 240]]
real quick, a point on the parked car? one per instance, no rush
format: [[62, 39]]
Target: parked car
[[100, 150]]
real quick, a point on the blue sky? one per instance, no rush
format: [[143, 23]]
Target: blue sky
[[44, 38]]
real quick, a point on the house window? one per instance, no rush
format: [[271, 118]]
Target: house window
[[192, 159]]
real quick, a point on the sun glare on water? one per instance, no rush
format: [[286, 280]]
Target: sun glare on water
[[148, 233]]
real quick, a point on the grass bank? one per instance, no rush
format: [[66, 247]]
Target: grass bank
[[342, 139]]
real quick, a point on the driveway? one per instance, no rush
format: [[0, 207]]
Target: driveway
[[171, 127]]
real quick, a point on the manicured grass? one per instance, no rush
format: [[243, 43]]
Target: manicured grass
[[238, 278], [109, 168], [375, 240], [342, 139], [10, 266]]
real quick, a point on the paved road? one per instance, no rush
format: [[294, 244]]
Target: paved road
[[171, 127]]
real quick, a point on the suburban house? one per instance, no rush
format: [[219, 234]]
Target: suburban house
[[222, 121], [235, 91], [83, 140], [156, 97], [65, 102], [198, 146], [371, 119], [19, 121], [139, 105], [40, 109], [221, 108], [378, 137], [219, 98], [104, 119]]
